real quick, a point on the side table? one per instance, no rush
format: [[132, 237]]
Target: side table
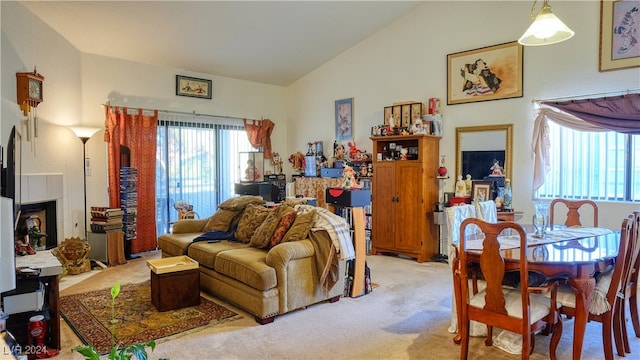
[[175, 282]]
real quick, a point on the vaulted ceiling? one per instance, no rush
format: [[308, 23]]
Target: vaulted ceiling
[[273, 42]]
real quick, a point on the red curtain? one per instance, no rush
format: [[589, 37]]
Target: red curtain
[[259, 134], [137, 132]]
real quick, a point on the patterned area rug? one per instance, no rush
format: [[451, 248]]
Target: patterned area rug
[[136, 319]]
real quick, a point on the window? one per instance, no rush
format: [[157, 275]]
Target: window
[[592, 165], [197, 161]]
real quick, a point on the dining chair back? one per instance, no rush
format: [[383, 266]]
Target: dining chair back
[[573, 211], [610, 287], [630, 286], [521, 310]]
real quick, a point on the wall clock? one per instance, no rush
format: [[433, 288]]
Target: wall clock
[[29, 90]]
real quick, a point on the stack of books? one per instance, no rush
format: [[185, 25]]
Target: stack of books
[[129, 201], [105, 219]]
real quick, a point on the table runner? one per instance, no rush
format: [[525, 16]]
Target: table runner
[[513, 241]]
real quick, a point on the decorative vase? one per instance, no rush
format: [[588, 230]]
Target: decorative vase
[[541, 218]]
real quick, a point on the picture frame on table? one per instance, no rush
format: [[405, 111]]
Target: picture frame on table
[[344, 119], [193, 87], [488, 73], [619, 21], [481, 190]]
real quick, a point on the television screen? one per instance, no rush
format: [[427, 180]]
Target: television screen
[[11, 174]]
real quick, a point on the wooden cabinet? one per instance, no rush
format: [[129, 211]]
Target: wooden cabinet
[[404, 196]]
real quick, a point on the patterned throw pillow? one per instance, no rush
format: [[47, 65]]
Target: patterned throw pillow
[[284, 225], [301, 227], [240, 202], [253, 216], [262, 236], [221, 220]]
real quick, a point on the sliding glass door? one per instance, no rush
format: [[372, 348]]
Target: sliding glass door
[[197, 161]]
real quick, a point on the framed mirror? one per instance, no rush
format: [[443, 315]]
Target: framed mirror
[[477, 148]]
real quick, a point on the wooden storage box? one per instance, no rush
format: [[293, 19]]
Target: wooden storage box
[[175, 283]]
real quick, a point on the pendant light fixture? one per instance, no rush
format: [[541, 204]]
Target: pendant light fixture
[[546, 28]]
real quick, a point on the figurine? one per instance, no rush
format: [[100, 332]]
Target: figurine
[[251, 173], [496, 170], [461, 187], [467, 184], [349, 175]]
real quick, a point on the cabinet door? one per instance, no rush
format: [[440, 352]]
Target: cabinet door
[[409, 215], [383, 234]]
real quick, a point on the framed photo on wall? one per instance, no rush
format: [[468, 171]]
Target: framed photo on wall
[[481, 190], [489, 73], [619, 25], [344, 119], [193, 87]]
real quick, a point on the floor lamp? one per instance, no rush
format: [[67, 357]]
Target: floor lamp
[[84, 134]]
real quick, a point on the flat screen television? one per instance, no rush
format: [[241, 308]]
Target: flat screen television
[[12, 173]]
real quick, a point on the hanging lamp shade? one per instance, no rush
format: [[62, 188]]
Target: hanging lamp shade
[[546, 29]]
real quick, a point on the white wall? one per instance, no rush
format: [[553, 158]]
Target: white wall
[[407, 61], [77, 84]]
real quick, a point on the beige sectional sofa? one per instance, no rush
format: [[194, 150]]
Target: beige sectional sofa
[[265, 280]]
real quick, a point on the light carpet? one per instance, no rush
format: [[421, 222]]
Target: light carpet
[[406, 317]]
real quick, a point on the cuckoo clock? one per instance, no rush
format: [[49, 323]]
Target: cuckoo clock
[[29, 90]]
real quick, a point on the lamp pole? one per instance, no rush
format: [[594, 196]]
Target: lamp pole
[[84, 134]]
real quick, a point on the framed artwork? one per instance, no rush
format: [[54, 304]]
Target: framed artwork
[[344, 119], [406, 115], [489, 73], [397, 111], [619, 26], [388, 112], [416, 112], [481, 190], [193, 87]]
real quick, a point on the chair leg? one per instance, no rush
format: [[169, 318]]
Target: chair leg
[[633, 309], [464, 330], [607, 329], [489, 340], [619, 327], [555, 338], [526, 346]]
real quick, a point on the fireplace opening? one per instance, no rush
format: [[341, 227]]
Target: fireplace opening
[[42, 215]]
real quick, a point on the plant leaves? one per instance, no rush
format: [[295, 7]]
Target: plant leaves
[[115, 290]]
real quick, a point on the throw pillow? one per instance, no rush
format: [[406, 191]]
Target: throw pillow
[[221, 220], [253, 216], [284, 225], [294, 201], [262, 236], [301, 227], [240, 202]]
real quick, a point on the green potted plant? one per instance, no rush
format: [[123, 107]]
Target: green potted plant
[[138, 349]]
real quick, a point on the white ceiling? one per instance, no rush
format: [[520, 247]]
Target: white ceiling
[[273, 42]]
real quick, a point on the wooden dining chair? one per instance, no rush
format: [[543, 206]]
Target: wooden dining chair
[[521, 310], [630, 286], [573, 214], [605, 303]]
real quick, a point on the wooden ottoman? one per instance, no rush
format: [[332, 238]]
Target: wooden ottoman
[[175, 282]]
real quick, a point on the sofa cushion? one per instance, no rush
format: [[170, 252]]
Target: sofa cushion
[[221, 220], [301, 227], [205, 253], [248, 266], [176, 244], [264, 232], [252, 217], [285, 224], [240, 202]]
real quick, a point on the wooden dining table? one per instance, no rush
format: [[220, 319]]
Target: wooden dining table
[[578, 257]]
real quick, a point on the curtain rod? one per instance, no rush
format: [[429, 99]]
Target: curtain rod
[[172, 111], [576, 97]]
